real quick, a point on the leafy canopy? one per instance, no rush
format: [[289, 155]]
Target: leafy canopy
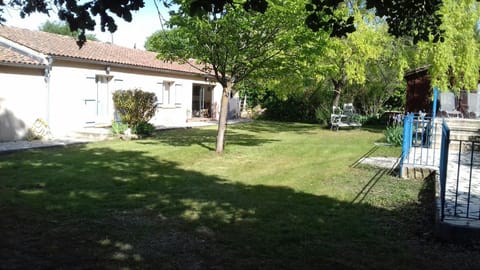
[[418, 19], [80, 15], [454, 63], [232, 44]]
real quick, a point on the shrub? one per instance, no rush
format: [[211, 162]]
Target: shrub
[[143, 128], [394, 135], [135, 106], [295, 107], [322, 115], [119, 127]]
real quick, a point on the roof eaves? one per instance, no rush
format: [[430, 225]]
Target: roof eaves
[[22, 65], [122, 65], [24, 50]]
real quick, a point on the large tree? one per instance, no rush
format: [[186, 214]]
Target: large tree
[[365, 66], [349, 60], [230, 44]]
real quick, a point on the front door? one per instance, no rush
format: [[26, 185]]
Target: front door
[[97, 101]]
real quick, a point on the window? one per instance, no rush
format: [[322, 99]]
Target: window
[[167, 93]]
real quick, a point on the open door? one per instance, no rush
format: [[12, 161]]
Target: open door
[[202, 96]]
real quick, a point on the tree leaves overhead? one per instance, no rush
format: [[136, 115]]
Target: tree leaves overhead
[[418, 19], [415, 18], [323, 17], [80, 15], [197, 7]]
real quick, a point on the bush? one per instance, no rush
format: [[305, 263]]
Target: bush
[[295, 107], [394, 135], [143, 128], [322, 115], [135, 106], [119, 127]]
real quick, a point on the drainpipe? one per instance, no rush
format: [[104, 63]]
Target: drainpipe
[[48, 69]]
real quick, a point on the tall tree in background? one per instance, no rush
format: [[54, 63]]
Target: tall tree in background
[[454, 63], [230, 43], [347, 60], [365, 66], [62, 28]]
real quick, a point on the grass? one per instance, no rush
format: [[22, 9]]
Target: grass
[[283, 196]]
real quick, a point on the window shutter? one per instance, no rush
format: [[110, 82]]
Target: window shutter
[[159, 93], [178, 94]]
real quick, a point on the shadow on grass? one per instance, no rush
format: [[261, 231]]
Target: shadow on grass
[[275, 127], [103, 208], [205, 138], [374, 128]]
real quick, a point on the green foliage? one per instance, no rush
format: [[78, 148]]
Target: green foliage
[[231, 43], [294, 107], [394, 135], [454, 63], [405, 18], [135, 106], [62, 28], [119, 127], [143, 128], [322, 115]]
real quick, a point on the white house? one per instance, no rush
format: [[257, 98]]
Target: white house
[[47, 76]]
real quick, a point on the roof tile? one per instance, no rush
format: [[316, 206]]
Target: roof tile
[[12, 57], [64, 46]]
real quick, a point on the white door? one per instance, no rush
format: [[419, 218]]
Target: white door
[[97, 101], [103, 101]]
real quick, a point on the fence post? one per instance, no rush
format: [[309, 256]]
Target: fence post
[[443, 166], [407, 140], [434, 106]]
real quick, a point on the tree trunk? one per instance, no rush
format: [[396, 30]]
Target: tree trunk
[[336, 93], [338, 87], [222, 122]]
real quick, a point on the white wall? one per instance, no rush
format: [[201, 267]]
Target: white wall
[[23, 99], [70, 83], [25, 96]]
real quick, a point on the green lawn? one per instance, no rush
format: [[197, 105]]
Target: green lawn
[[283, 196]]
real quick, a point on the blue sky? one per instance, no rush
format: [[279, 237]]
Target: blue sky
[[145, 22]]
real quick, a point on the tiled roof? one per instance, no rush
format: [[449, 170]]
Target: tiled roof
[[11, 57], [64, 46]]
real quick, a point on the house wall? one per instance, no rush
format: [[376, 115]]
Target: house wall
[[73, 84], [62, 100], [23, 99]]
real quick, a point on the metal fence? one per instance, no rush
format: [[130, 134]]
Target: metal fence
[[419, 141], [419, 145], [459, 174]]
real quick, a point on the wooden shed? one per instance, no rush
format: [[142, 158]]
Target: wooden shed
[[419, 91]]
